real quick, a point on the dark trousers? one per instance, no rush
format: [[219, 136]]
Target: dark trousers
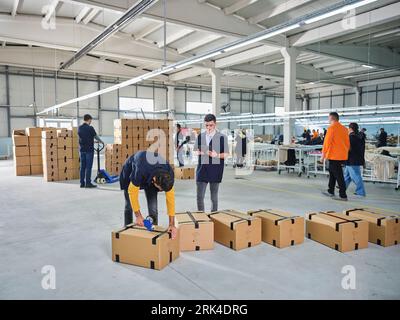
[[201, 192], [336, 174], [179, 154], [151, 197], [86, 167]]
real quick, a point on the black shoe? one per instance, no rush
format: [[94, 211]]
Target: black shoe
[[82, 185], [90, 185], [339, 198], [328, 194]]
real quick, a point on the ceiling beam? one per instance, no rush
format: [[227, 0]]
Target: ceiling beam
[[81, 14], [175, 37], [188, 73], [240, 4], [91, 15], [199, 43], [48, 59], [332, 30], [154, 26], [375, 56], [246, 56], [275, 11]]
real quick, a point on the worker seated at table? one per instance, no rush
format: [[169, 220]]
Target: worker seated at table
[[152, 173]]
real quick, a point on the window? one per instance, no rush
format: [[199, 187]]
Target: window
[[57, 122], [198, 107], [279, 111], [135, 104]]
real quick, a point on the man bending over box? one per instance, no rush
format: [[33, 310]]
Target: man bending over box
[[150, 172]]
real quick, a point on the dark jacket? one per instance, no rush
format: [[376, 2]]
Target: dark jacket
[[140, 169], [356, 152], [382, 139], [86, 135], [211, 169]]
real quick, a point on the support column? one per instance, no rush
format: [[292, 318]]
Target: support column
[[171, 101], [357, 91], [306, 101], [216, 75], [289, 97]]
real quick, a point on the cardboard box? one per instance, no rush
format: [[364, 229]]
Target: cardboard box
[[49, 143], [21, 151], [49, 134], [35, 150], [383, 228], [19, 138], [123, 124], [50, 175], [22, 170], [34, 132], [64, 142], [22, 161], [235, 229], [64, 153], [337, 231], [279, 228], [196, 231], [138, 246], [36, 160], [35, 141], [64, 133], [184, 173], [37, 170]]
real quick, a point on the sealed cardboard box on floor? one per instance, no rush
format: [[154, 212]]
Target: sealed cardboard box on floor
[[279, 228], [384, 228], [196, 231], [150, 249], [235, 229], [184, 173], [337, 231]]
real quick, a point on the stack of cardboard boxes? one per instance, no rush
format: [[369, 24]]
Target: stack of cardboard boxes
[[133, 135], [35, 150], [22, 163], [64, 154], [184, 173], [75, 154], [50, 155], [113, 159]]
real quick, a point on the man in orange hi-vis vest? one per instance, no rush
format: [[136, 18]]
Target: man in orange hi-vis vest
[[336, 149]]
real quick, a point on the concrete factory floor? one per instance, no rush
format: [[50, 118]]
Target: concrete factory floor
[[61, 225]]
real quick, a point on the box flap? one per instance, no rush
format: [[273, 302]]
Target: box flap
[[273, 214], [371, 215], [230, 217], [134, 230], [331, 218]]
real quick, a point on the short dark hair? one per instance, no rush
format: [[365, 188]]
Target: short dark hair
[[164, 179], [354, 127], [335, 115], [178, 125], [87, 117], [382, 129], [210, 117]]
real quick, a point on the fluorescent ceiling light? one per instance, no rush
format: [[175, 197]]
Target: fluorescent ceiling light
[[385, 33], [367, 66], [120, 23], [339, 10], [261, 36]]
